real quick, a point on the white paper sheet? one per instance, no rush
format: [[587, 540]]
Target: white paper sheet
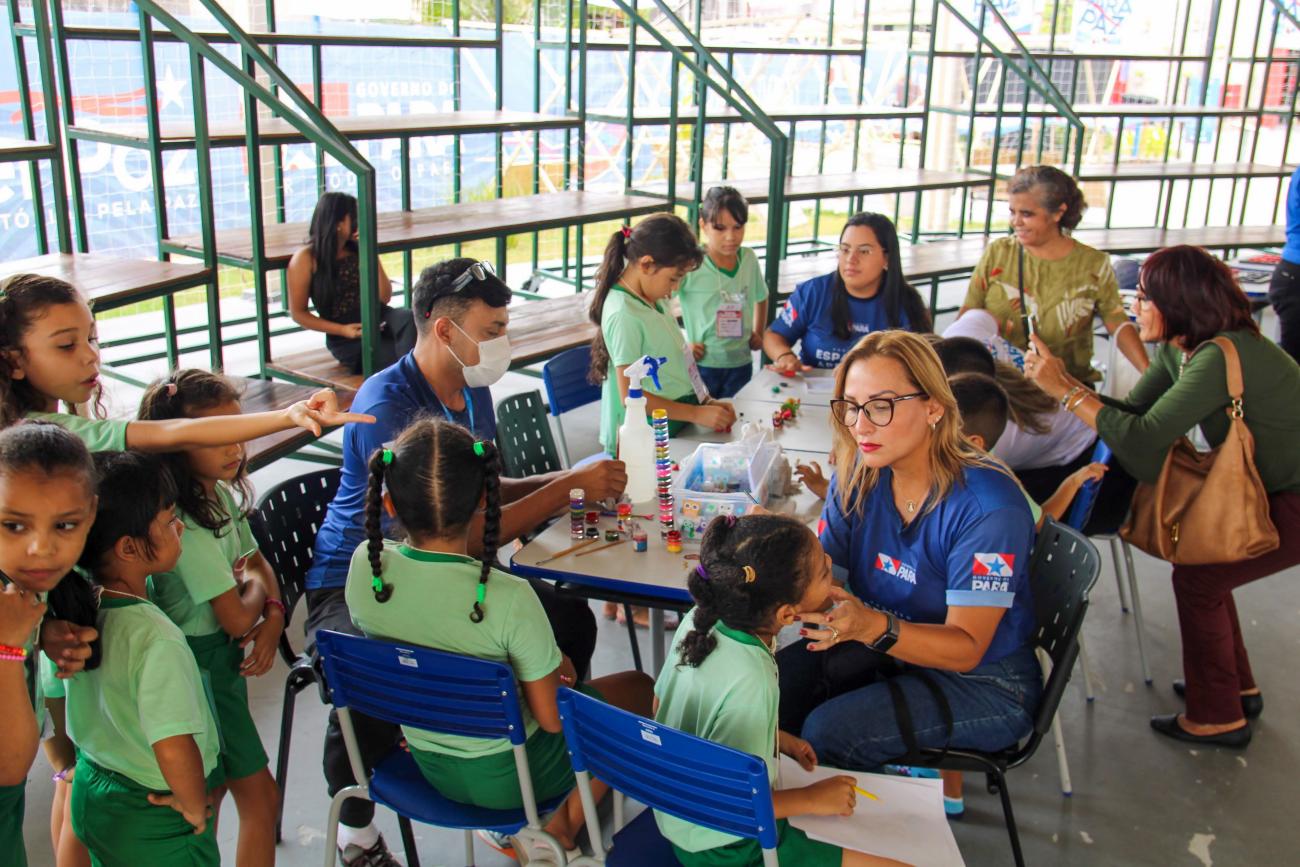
[[907, 823]]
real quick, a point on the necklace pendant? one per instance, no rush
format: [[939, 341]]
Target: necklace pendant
[[911, 506]]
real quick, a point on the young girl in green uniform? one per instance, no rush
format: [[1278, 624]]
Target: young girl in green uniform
[[642, 267], [755, 575], [724, 301], [47, 504], [223, 595], [139, 714], [49, 356], [428, 591]]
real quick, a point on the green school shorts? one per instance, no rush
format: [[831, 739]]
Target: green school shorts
[[491, 781], [113, 817], [793, 847], [219, 657], [12, 799]]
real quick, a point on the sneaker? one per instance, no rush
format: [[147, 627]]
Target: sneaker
[[500, 842], [954, 808], [376, 856], [528, 854]]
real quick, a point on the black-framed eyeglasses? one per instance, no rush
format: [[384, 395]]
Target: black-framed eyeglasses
[[879, 410], [478, 271]]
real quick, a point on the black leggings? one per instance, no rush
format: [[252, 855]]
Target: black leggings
[[396, 338], [575, 632], [1284, 295]]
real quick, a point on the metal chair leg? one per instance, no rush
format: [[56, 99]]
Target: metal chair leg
[[282, 754], [1119, 578], [631, 634], [1137, 611], [469, 849], [1010, 820], [1088, 691], [1062, 761], [408, 842], [564, 445]]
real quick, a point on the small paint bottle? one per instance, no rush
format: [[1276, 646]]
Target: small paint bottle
[[640, 539], [674, 542]]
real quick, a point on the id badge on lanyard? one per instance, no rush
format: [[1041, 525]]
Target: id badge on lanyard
[[693, 373], [729, 321]]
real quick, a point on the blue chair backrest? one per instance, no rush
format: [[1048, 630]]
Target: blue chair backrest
[[422, 688], [1081, 508], [565, 379], [689, 777]]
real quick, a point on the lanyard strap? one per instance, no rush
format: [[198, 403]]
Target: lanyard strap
[[469, 407]]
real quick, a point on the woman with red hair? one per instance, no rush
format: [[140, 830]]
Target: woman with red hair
[[1185, 299]]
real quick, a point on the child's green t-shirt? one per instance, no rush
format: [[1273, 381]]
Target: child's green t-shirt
[[99, 434], [146, 689], [204, 571], [715, 300], [731, 698], [632, 330], [433, 595]]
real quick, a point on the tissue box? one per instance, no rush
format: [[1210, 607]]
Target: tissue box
[[723, 479]]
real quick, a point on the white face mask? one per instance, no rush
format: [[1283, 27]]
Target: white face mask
[[493, 360]]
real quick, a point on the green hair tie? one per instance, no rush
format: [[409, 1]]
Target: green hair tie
[[377, 584], [481, 593], [478, 450], [386, 456]]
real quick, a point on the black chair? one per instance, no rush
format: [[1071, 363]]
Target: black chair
[[1062, 571], [285, 525]]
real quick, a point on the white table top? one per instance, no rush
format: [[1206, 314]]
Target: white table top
[[813, 387], [656, 573], [810, 432]]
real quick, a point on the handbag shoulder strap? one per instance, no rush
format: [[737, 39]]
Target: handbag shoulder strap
[[1236, 384]]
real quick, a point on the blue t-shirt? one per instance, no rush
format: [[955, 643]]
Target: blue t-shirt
[[972, 549], [806, 317], [1291, 252], [395, 396]]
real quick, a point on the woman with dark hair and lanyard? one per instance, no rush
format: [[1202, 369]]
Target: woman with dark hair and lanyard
[[327, 273], [867, 292], [1185, 299]]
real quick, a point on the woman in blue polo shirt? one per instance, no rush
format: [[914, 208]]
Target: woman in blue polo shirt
[[866, 292], [931, 540]]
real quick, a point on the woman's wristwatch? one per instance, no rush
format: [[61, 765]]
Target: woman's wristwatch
[[889, 637]]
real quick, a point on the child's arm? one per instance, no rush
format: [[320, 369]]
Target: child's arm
[[813, 479], [760, 325], [181, 764], [265, 636], [1059, 502], [59, 751], [716, 414], [540, 695], [320, 410], [833, 796], [240, 607], [19, 615]]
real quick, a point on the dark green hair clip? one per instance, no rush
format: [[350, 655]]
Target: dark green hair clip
[[479, 448], [386, 456]]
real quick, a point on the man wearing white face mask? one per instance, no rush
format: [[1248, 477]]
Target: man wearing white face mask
[[461, 349]]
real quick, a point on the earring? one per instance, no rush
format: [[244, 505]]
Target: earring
[[934, 425]]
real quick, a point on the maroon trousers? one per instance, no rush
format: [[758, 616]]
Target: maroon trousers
[[1215, 663]]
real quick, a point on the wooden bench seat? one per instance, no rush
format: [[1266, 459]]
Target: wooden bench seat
[[538, 330], [261, 395], [1154, 171], [176, 135], [869, 182], [108, 282], [14, 150], [445, 224], [960, 255]]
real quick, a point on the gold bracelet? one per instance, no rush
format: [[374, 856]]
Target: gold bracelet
[[1078, 401], [1065, 398]]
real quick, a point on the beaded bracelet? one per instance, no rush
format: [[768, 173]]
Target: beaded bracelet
[[9, 653], [276, 603]]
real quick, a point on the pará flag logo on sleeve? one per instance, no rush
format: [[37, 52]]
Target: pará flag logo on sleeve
[[888, 564], [994, 565]]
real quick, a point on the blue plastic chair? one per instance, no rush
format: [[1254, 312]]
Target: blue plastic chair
[[691, 778], [567, 388], [432, 690]]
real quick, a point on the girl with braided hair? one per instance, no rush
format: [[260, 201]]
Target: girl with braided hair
[[432, 480], [755, 575]]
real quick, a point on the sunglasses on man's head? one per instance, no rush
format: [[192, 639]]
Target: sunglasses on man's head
[[478, 271]]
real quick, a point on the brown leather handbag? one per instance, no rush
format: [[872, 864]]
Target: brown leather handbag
[[1207, 508]]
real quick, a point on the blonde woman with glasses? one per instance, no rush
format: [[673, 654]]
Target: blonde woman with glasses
[[929, 644]]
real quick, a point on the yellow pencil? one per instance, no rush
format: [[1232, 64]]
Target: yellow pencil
[[865, 792]]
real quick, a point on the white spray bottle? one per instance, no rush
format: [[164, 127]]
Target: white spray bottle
[[636, 438]]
